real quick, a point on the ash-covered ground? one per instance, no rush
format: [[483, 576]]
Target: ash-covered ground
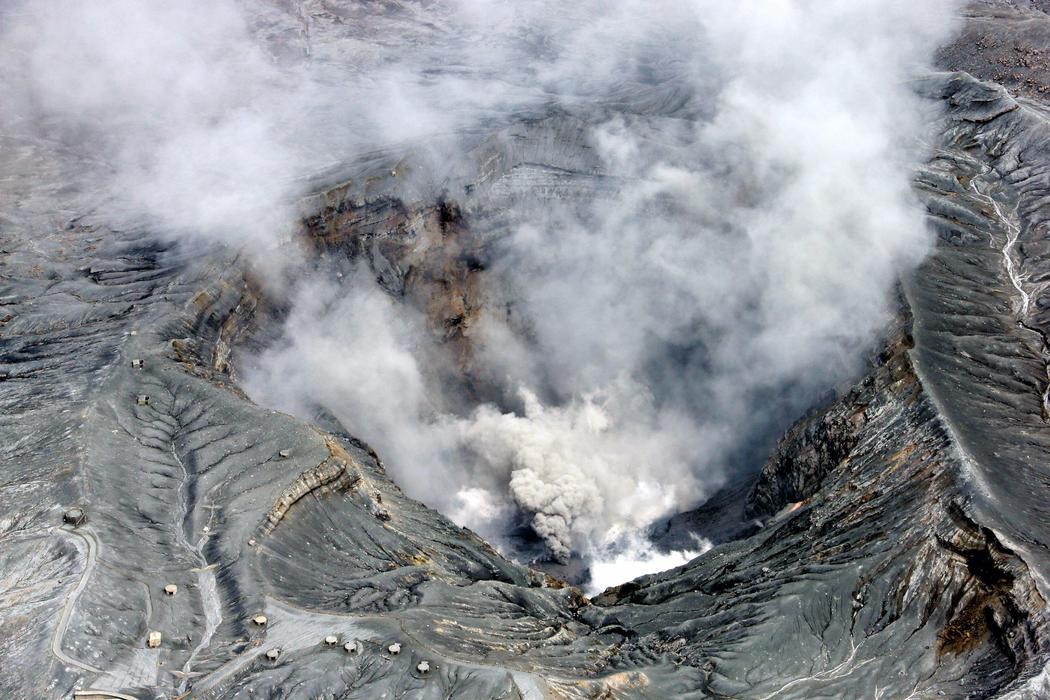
[[371, 349]]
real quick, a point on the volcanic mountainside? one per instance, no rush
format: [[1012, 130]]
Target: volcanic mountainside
[[895, 544]]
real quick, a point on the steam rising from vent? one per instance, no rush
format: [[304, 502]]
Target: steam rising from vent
[[751, 213], [579, 468], [632, 557]]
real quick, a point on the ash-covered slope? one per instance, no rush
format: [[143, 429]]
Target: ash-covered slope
[[893, 545]]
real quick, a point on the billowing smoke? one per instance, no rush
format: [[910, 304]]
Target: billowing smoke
[[207, 119], [738, 271], [735, 261], [173, 111]]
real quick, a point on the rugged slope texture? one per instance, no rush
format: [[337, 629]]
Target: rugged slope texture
[[896, 541]]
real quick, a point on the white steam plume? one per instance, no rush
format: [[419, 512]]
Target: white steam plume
[[761, 152], [633, 557]]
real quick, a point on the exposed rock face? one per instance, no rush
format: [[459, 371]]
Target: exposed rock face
[[901, 542], [883, 505], [426, 255], [1005, 42]]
